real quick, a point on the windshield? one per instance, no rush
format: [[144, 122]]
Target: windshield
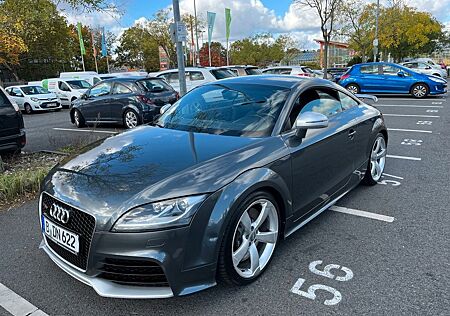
[[32, 90], [154, 85], [78, 84], [222, 73], [231, 109], [252, 71]]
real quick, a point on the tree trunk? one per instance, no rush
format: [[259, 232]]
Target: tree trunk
[[16, 77], [325, 59]]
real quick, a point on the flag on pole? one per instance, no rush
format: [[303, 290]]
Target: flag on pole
[[227, 22], [93, 45], [80, 36], [211, 17], [104, 50]]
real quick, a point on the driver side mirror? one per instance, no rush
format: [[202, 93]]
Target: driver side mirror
[[164, 108], [401, 74], [309, 120], [84, 96]]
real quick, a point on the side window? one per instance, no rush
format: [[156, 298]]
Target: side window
[[120, 89], [423, 66], [320, 100], [172, 77], [369, 69], [412, 65], [390, 70], [284, 71], [10, 92], [4, 101], [63, 86], [196, 75], [17, 92], [100, 89], [347, 102], [96, 80]]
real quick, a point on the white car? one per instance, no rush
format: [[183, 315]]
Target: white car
[[301, 71], [67, 90], [34, 98], [195, 76], [426, 68]]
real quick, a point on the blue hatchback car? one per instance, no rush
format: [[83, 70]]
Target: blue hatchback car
[[391, 78]]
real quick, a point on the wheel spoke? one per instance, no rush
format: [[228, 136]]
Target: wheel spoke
[[377, 169], [381, 154], [377, 145], [372, 167], [254, 259], [262, 216], [241, 251], [246, 222], [267, 237]]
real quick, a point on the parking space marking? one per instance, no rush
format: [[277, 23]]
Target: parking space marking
[[351, 211], [436, 102], [392, 176], [404, 157], [409, 130], [83, 130], [411, 115], [17, 305], [410, 106]]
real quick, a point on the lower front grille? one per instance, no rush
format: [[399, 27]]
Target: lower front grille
[[79, 223], [133, 272]]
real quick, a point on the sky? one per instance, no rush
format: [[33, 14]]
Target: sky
[[248, 16]]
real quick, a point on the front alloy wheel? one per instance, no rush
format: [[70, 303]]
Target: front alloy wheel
[[377, 161], [249, 244], [419, 90]]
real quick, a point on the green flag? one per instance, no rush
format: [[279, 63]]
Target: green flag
[[228, 22], [80, 36]]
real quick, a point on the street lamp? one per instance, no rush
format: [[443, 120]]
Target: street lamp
[[375, 41]]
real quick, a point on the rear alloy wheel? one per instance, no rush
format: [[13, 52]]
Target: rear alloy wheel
[[419, 90], [78, 119], [250, 240], [28, 108], [130, 119], [353, 88], [377, 161]]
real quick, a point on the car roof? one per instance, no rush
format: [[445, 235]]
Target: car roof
[[130, 78], [282, 81]]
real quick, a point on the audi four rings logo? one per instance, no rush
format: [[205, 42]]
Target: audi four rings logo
[[59, 213]]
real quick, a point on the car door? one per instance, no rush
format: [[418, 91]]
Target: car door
[[370, 78], [10, 120], [121, 97], [63, 91], [96, 106], [18, 97], [396, 80], [322, 161]]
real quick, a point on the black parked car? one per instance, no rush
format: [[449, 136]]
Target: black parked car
[[129, 101], [12, 132]]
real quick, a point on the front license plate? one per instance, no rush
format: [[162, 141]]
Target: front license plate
[[51, 105], [60, 235]]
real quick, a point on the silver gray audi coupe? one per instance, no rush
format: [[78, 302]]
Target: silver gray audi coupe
[[208, 191]]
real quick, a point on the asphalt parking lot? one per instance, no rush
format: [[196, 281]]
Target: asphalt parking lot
[[386, 248]]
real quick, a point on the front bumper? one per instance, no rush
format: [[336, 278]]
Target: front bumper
[[107, 288]]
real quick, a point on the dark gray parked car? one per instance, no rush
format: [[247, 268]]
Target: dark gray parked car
[[208, 192], [130, 101], [12, 131]]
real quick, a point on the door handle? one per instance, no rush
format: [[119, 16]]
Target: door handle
[[351, 133]]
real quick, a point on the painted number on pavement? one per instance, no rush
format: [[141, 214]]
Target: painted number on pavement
[[424, 122], [410, 142]]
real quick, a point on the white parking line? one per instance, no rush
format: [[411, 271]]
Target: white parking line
[[83, 130], [410, 115], [409, 130], [392, 176], [410, 106], [17, 305], [370, 215], [404, 157]]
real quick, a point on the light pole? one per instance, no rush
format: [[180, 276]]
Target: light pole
[[375, 41], [180, 55], [196, 34]]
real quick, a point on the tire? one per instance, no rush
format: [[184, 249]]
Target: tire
[[131, 119], [239, 268], [377, 161], [28, 109], [78, 119], [420, 90], [353, 88]]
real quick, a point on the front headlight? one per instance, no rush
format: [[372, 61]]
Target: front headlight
[[439, 80], [35, 99], [159, 215]]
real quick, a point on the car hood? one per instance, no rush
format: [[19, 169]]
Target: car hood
[[149, 164], [45, 96], [440, 80]]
